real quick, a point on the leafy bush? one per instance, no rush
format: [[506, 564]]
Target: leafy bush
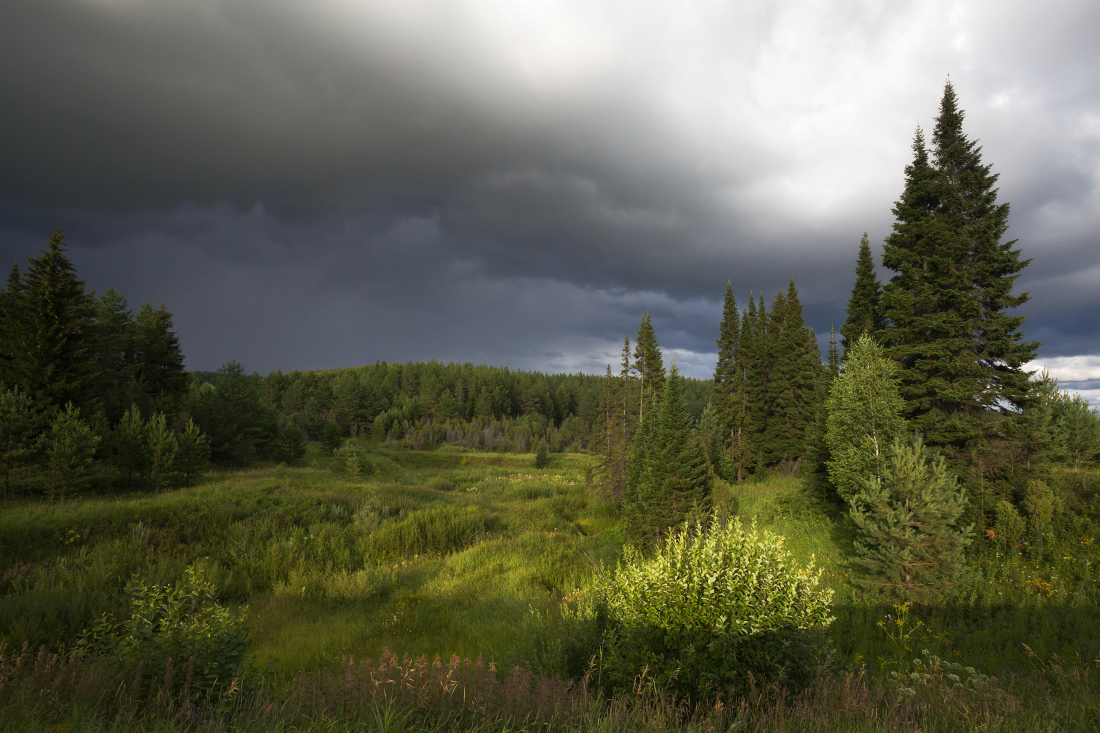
[[712, 610], [542, 454], [180, 627], [354, 460]]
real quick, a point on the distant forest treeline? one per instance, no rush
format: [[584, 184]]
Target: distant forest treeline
[[427, 404]]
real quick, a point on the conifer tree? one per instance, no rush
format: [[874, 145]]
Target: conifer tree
[[17, 427], [863, 305], [130, 444], [793, 384], [833, 363], [946, 308], [729, 388], [114, 354], [49, 344], [668, 473], [69, 446], [911, 544], [754, 377], [193, 454], [648, 364], [10, 324]]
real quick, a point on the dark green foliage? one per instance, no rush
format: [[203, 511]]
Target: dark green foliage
[[731, 393], [648, 364], [794, 380], [911, 543], [668, 476], [833, 360], [947, 308], [17, 432], [331, 437], [48, 339], [68, 446], [193, 454], [157, 360], [178, 633], [542, 454], [230, 412], [290, 444], [713, 611], [130, 447], [863, 305], [113, 324], [163, 448]]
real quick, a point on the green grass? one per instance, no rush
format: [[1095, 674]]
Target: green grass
[[442, 553]]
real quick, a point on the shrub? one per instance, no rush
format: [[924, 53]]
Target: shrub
[[542, 454], [178, 626], [1009, 527], [713, 610], [354, 460]]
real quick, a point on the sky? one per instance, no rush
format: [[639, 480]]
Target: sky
[[333, 183]]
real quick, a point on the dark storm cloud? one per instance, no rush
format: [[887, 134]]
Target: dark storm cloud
[[314, 185]]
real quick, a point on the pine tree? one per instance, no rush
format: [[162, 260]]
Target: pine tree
[[69, 446], [794, 381], [863, 305], [911, 544], [130, 444], [668, 473], [50, 343], [114, 354], [17, 428], [11, 321], [729, 388], [648, 364], [864, 419], [833, 363], [754, 377], [945, 309], [157, 359], [193, 454]]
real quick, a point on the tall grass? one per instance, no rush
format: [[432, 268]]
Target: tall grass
[[450, 553]]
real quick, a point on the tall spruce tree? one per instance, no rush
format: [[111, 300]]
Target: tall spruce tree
[[648, 364], [729, 389], [946, 309], [794, 382], [668, 471], [863, 305], [755, 378], [49, 341]]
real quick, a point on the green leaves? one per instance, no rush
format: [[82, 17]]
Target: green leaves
[[708, 603]]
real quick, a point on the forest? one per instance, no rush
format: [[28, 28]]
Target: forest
[[893, 529]]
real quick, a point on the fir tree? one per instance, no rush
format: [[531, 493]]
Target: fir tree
[[833, 363], [49, 345], [946, 308], [648, 364], [668, 473], [17, 428], [754, 377], [793, 384], [729, 388], [863, 305], [911, 544], [193, 454]]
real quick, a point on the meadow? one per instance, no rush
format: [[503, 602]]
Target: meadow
[[432, 590]]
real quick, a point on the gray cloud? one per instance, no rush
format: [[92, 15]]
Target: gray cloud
[[332, 183]]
